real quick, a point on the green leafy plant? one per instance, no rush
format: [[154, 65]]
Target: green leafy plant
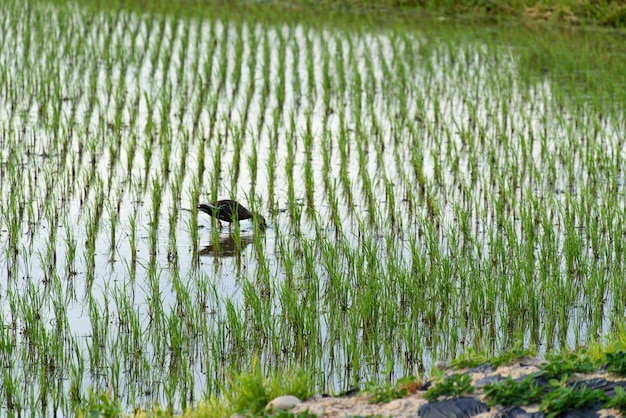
[[470, 358], [566, 364], [515, 353], [513, 392], [384, 395], [617, 401], [251, 391], [564, 398], [287, 414], [617, 362], [452, 386], [402, 388]]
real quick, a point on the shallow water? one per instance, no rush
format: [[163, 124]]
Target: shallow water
[[422, 196]]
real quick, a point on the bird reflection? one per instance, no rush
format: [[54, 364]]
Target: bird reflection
[[227, 246]]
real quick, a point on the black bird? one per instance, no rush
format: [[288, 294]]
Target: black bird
[[228, 211]]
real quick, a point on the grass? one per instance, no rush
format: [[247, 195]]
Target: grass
[[393, 390], [429, 188], [563, 12]]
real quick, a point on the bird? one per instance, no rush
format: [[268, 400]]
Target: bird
[[229, 210]]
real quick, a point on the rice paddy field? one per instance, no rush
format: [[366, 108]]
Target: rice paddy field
[[430, 186]]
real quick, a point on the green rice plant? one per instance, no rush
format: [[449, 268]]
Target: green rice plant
[[13, 395], [193, 220], [172, 248], [253, 162], [101, 404], [296, 86], [271, 163], [265, 68], [112, 214], [75, 388], [280, 83], [235, 168], [515, 353], [98, 337], [345, 178], [132, 226], [327, 77], [156, 198], [308, 169]]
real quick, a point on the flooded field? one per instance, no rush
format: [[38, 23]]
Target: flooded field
[[428, 188]]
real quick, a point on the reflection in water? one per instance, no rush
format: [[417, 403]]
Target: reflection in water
[[227, 245]]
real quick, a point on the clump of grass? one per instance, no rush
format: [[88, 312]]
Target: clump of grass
[[470, 358], [403, 387], [515, 353], [101, 405], [251, 391]]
